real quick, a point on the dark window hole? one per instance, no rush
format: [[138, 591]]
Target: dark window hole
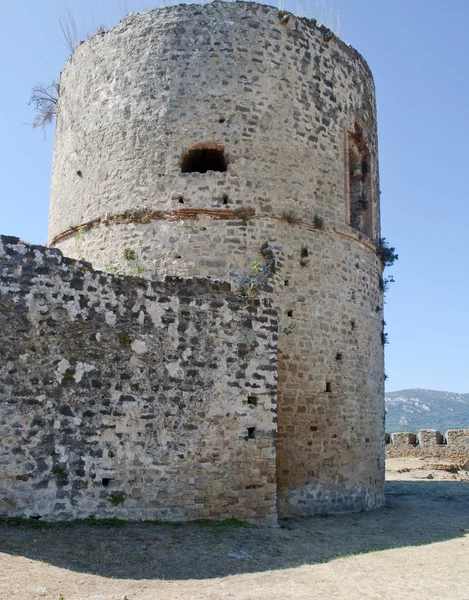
[[338, 356], [353, 325], [221, 120], [225, 198], [105, 481], [178, 256], [286, 283], [313, 427], [181, 199], [289, 313], [328, 386], [80, 174], [201, 160], [251, 433], [252, 400]]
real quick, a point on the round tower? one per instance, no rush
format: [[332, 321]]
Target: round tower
[[237, 142]]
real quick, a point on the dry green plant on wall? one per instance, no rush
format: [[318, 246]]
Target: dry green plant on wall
[[325, 12], [388, 256], [318, 222], [116, 498], [129, 254], [123, 7], [97, 17], [290, 217], [68, 29], [386, 253]]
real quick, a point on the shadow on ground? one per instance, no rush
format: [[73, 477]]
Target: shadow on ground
[[415, 513]]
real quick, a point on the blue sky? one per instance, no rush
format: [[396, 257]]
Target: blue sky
[[418, 51]]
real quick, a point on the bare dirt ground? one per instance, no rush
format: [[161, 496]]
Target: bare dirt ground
[[416, 547]]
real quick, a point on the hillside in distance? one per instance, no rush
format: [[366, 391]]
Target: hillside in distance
[[411, 410]]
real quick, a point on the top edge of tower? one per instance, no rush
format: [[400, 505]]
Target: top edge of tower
[[328, 36]]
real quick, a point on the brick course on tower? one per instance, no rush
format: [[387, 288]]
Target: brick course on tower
[[236, 143]]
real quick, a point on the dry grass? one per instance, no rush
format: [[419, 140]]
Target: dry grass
[[410, 546]]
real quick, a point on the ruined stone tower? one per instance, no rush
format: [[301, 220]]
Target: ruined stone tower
[[234, 142]]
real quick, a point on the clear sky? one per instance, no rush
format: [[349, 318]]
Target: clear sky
[[418, 51]]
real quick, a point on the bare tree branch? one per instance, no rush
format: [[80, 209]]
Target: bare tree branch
[[44, 100]]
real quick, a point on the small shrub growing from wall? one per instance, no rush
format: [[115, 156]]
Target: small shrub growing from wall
[[318, 222], [116, 499], [129, 254], [124, 339], [289, 216], [386, 253]]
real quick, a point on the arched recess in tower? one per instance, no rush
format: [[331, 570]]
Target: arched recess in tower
[[360, 191], [204, 157]]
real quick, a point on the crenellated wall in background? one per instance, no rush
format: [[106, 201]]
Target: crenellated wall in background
[[429, 443]]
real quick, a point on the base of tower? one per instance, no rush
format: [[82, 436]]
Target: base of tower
[[327, 500]]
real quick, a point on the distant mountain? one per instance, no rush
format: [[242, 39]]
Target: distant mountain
[[411, 410]]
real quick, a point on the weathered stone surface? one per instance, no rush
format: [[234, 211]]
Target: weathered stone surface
[[279, 99], [292, 109], [125, 397], [176, 374]]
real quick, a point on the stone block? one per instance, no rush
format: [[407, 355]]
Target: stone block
[[403, 439], [429, 437]]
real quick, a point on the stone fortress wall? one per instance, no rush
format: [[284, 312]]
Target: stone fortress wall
[[428, 444], [285, 114], [237, 143], [131, 398]]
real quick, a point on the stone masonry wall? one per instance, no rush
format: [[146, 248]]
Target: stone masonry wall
[[280, 99], [283, 99], [130, 398], [428, 444]]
